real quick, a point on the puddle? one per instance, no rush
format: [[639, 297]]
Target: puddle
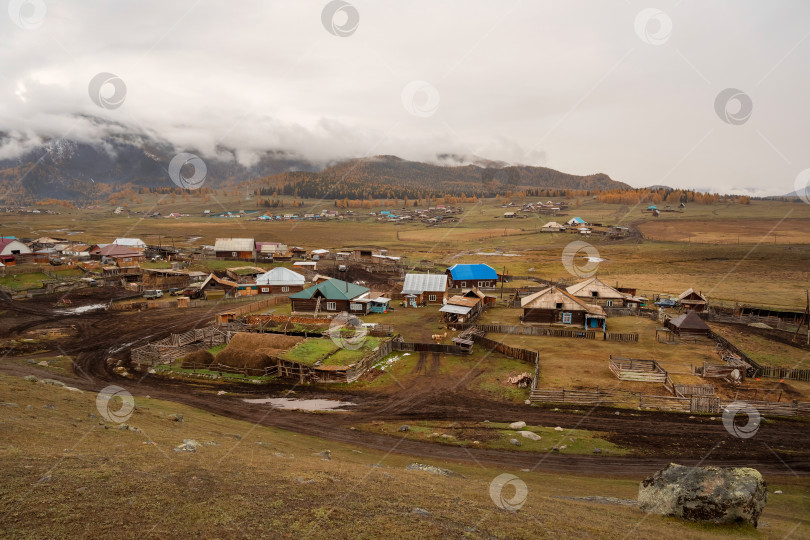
[[83, 309], [302, 404]]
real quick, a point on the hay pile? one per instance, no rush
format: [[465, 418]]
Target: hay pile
[[198, 359], [255, 352]]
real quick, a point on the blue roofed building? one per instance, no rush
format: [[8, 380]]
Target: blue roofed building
[[471, 275]]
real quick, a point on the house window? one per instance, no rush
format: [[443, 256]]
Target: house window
[[559, 305], [609, 303], [233, 254], [566, 318], [431, 298], [595, 293], [266, 289], [285, 289], [331, 306], [356, 306]]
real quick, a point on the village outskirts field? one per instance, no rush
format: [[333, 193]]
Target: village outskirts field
[[256, 475]]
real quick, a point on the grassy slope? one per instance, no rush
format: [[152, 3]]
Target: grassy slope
[[64, 475]]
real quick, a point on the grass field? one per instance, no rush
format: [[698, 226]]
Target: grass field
[[63, 466]]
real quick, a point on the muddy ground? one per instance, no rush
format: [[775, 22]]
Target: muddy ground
[[98, 339]]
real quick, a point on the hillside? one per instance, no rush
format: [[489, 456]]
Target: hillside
[[390, 176]]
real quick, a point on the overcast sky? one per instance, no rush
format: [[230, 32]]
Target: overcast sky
[[622, 87]]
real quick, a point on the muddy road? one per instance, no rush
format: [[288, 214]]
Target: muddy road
[[780, 447]]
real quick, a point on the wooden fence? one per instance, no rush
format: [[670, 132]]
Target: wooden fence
[[546, 331], [581, 397], [524, 355], [428, 347], [631, 369], [177, 346], [629, 337], [784, 373], [695, 389]]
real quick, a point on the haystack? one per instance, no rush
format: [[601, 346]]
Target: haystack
[[253, 362], [254, 342], [198, 359]]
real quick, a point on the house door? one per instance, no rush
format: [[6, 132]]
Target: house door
[[594, 323], [413, 301]]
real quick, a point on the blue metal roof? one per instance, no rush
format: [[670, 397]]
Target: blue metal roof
[[463, 272]]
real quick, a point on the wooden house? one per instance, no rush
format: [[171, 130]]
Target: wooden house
[[688, 324], [689, 299], [330, 296], [244, 274], [280, 280], [217, 287], [235, 248], [552, 226], [556, 306], [471, 275], [423, 289], [593, 291]]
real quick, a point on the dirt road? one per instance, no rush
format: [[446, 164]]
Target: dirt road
[[782, 446]]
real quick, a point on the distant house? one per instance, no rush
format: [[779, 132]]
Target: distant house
[[215, 287], [10, 246], [594, 291], [280, 280], [235, 248], [471, 275], [244, 274], [130, 242], [576, 221], [508, 214], [689, 299], [330, 296], [552, 226], [422, 289], [688, 324], [557, 306]]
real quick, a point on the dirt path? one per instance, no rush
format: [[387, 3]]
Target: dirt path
[[782, 446]]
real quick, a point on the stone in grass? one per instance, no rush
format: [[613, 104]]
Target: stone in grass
[[52, 382], [175, 417], [515, 442], [420, 512], [517, 425], [30, 378], [404, 428], [189, 445], [529, 435], [705, 494], [431, 469], [558, 428], [326, 455]]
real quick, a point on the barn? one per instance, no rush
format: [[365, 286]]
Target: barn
[[594, 291], [691, 300], [689, 324]]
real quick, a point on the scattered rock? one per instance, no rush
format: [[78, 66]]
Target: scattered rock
[[91, 415], [555, 449], [211, 443], [420, 512], [706, 494], [712, 418], [29, 407], [221, 393], [515, 442], [597, 450], [189, 445], [691, 418], [49, 406], [175, 417], [151, 371], [43, 363], [777, 492], [30, 378], [617, 413], [431, 469], [8, 404], [529, 435], [527, 402], [404, 428], [446, 436], [73, 389], [52, 382], [326, 455], [517, 425], [558, 428], [307, 481]]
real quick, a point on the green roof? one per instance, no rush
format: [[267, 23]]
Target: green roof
[[333, 289]]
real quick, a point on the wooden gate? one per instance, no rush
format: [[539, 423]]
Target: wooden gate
[[705, 404]]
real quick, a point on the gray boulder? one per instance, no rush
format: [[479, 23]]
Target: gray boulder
[[705, 494], [431, 469]]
